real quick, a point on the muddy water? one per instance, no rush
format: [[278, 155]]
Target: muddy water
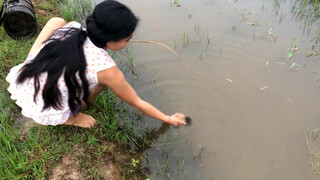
[[250, 107]]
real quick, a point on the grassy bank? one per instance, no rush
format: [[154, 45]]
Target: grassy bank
[[35, 152]]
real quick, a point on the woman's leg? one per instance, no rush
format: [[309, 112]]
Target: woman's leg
[[96, 91], [84, 120], [81, 120]]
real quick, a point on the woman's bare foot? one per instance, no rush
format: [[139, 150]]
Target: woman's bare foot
[[81, 120]]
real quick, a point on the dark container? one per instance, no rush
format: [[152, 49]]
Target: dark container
[[19, 19]]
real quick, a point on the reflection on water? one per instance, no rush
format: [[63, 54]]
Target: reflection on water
[[250, 88]]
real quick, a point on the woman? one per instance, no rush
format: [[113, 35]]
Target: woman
[[68, 67]]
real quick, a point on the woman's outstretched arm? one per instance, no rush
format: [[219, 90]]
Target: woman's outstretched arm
[[115, 80]]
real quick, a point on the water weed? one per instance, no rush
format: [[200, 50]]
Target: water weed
[[176, 3], [307, 11], [314, 154], [270, 32], [293, 65], [292, 48], [263, 88]]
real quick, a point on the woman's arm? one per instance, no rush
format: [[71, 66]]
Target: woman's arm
[[115, 80], [52, 25]]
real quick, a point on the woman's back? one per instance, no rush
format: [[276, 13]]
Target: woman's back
[[97, 60]]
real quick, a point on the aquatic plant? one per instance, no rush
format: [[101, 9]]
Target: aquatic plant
[[270, 32], [292, 48], [176, 3], [313, 152]]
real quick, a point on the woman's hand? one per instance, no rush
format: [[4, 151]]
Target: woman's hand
[[177, 119], [115, 80]]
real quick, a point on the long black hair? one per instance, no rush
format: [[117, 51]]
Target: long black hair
[[110, 21]]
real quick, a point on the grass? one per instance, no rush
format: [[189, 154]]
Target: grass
[[13, 163], [43, 147], [313, 51], [185, 39], [307, 10], [76, 10], [292, 48]]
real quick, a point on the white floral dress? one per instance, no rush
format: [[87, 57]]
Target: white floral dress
[[97, 60]]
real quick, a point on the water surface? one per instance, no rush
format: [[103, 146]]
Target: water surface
[[250, 106]]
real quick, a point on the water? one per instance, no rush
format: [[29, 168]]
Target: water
[[250, 108]]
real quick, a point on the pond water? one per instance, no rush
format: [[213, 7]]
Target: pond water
[[250, 105]]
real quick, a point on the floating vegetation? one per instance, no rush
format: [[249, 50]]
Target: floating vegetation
[[208, 42], [176, 3], [267, 63], [197, 27], [317, 36], [255, 24], [196, 37], [202, 148], [229, 80], [270, 32], [201, 54], [246, 12], [293, 47], [294, 65], [280, 62], [314, 153], [313, 51], [234, 27], [307, 11], [272, 36], [263, 88], [289, 99], [185, 39]]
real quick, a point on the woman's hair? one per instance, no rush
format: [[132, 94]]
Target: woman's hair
[[110, 21]]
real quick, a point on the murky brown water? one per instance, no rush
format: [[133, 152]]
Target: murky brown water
[[250, 111]]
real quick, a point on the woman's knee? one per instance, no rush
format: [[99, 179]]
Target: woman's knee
[[57, 20]]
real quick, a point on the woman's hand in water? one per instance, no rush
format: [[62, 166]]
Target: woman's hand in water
[[177, 119]]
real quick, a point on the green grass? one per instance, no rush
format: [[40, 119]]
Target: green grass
[[13, 163], [76, 10], [46, 6], [292, 48], [307, 11], [44, 146]]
